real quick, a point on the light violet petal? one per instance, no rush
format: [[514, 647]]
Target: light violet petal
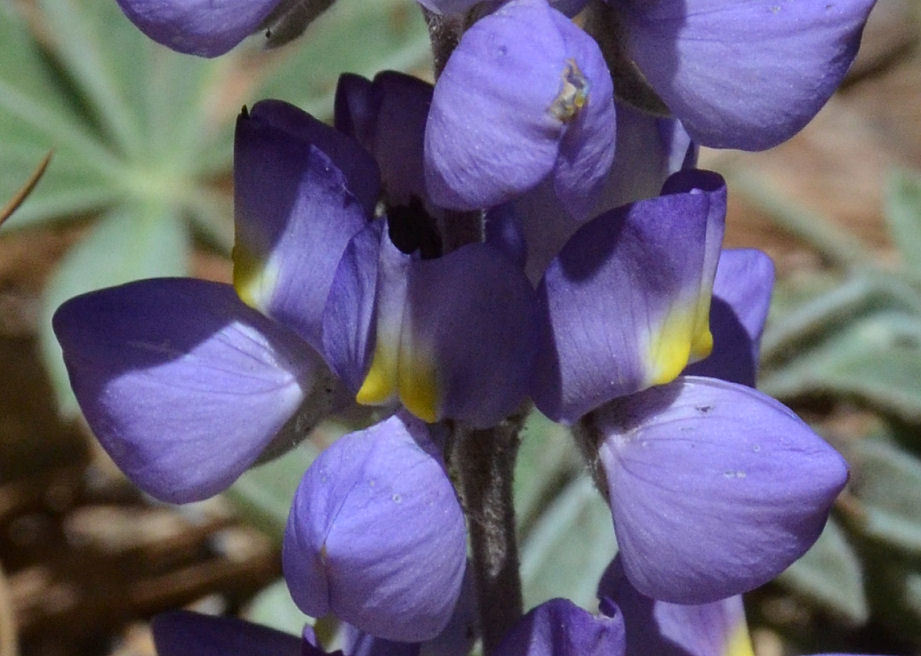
[[748, 74], [714, 487], [198, 27], [587, 147], [376, 534], [181, 382], [617, 305], [492, 133]]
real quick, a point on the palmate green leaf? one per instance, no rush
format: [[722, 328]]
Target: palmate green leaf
[[569, 547], [831, 575], [887, 479], [903, 213], [127, 243], [876, 359]]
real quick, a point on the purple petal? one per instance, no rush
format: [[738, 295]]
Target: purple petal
[[619, 305], [587, 146], [517, 83], [666, 629], [468, 337], [714, 487], [376, 534], [559, 626], [744, 74], [198, 27], [741, 299], [388, 116], [182, 633], [456, 640], [295, 213], [349, 331], [504, 233], [649, 149], [181, 382], [697, 181], [449, 337]]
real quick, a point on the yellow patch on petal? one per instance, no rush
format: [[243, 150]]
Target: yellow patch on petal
[[670, 346], [702, 345], [380, 385], [251, 277], [739, 643], [419, 389]]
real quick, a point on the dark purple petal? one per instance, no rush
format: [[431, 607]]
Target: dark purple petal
[[468, 337], [666, 629], [182, 383], [744, 74], [452, 336], [388, 116], [741, 299], [295, 212], [376, 534], [715, 488], [518, 82], [559, 627], [618, 305], [349, 330], [198, 27], [503, 232], [183, 633]]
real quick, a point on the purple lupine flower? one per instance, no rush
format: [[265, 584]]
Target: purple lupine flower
[[184, 384], [625, 303], [448, 337], [714, 488], [187, 359], [743, 75], [376, 534], [524, 97], [666, 629]]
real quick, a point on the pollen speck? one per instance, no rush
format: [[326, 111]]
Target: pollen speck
[[573, 93]]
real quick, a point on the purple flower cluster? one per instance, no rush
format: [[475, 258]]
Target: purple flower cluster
[[451, 254]]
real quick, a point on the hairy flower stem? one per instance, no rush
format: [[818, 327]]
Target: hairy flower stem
[[485, 460], [444, 33]]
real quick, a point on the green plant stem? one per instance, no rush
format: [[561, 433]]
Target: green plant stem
[[485, 461]]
